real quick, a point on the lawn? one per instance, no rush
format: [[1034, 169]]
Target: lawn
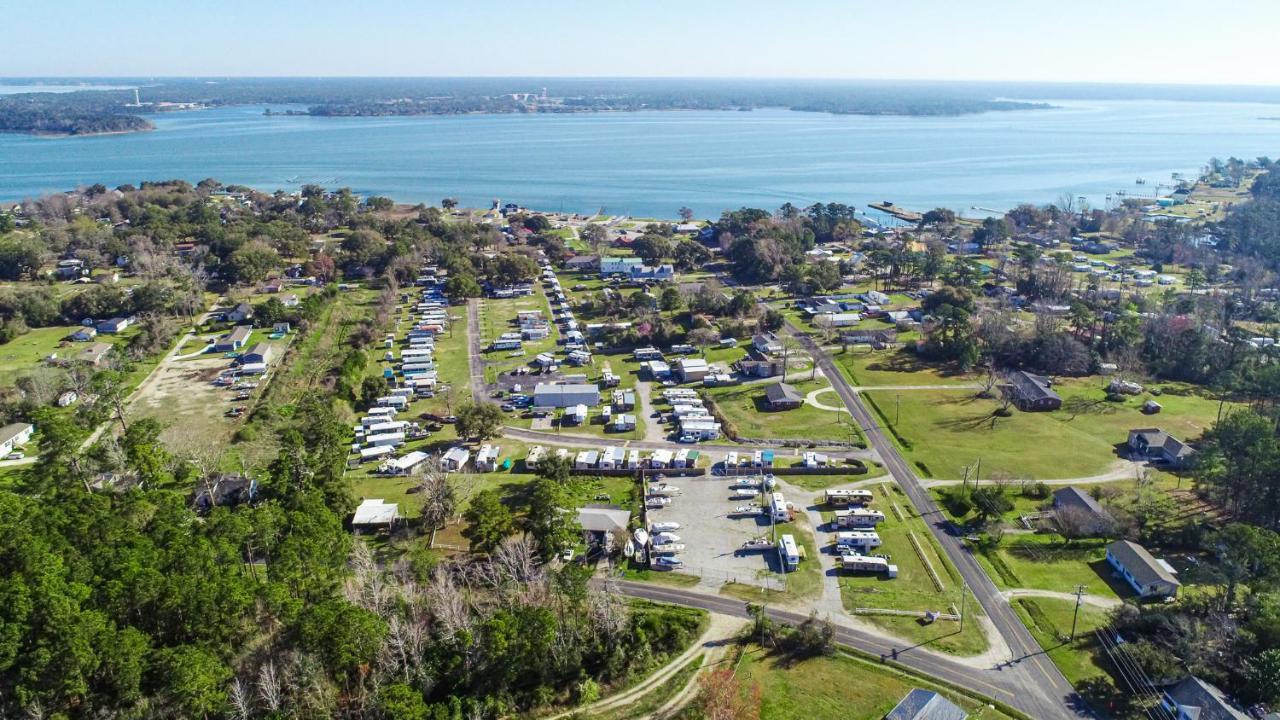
[[838, 687], [1046, 562], [867, 367], [26, 351], [946, 430], [817, 483], [1049, 620], [744, 407], [913, 589]]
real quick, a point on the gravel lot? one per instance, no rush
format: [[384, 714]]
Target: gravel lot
[[712, 538]]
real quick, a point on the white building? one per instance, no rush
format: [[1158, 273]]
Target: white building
[[455, 458], [487, 459]]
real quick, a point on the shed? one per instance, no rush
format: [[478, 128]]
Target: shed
[[375, 513], [781, 396]]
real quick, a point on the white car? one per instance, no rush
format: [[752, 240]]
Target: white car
[[688, 439], [15, 456]]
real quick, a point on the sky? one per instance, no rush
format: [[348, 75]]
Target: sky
[[1171, 41]]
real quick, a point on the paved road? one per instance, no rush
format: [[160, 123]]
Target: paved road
[[1008, 684], [1046, 693]]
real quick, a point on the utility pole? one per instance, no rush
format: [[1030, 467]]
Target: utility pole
[[1076, 615], [897, 408], [964, 596], [977, 474]]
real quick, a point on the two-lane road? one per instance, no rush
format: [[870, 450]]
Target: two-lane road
[[1053, 695]]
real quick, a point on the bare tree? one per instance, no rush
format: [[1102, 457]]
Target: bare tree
[[241, 698], [270, 691], [439, 501]]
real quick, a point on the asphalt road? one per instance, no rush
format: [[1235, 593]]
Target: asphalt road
[[1006, 684], [1044, 692]]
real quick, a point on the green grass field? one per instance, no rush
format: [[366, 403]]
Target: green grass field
[[743, 405], [1047, 562], [839, 687], [948, 429], [866, 367], [1049, 620]]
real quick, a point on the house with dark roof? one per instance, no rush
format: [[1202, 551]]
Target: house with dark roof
[[234, 340], [1029, 392], [1195, 699], [581, 262], [259, 353], [240, 313], [224, 491], [95, 353], [1159, 447], [781, 396], [1086, 514], [1149, 577], [760, 368], [925, 705]]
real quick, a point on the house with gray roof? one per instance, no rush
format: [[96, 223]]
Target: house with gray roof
[[1087, 514], [1029, 392], [781, 396], [925, 705], [1195, 699], [1149, 577], [1159, 447]]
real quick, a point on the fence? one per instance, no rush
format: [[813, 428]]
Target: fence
[[928, 566], [856, 467], [905, 613]]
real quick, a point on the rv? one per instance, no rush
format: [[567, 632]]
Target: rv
[[789, 552], [841, 498]]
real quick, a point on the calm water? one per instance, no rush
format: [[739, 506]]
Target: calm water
[[650, 164]]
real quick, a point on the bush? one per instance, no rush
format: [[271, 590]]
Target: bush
[[1035, 491], [957, 502], [1003, 412]]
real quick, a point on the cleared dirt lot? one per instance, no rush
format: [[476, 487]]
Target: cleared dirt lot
[[182, 396], [713, 539]]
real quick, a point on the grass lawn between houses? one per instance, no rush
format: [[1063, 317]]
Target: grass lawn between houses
[[1049, 620], [744, 406], [942, 431], [838, 687]]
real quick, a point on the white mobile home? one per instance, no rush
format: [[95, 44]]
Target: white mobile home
[[789, 551], [455, 458], [487, 458]]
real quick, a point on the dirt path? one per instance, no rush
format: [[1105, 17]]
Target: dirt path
[[720, 632], [653, 431], [1098, 601], [1118, 471]]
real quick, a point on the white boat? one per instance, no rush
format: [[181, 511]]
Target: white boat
[[744, 485], [664, 527], [642, 537], [664, 538], [668, 549], [658, 502], [668, 562], [663, 489], [752, 509], [757, 543]]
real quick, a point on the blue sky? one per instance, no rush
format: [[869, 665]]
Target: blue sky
[[1171, 41]]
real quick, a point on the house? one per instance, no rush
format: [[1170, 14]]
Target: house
[[14, 435], [487, 459], [602, 523], [112, 326], [84, 334], [760, 368], [700, 428], [281, 327], [576, 415], [549, 395], [374, 514], [234, 340], [767, 343], [290, 300], [623, 423], [1077, 507], [69, 269], [873, 337], [1029, 392], [646, 354], [455, 458], [1149, 577], [224, 491], [239, 313], [835, 320], [260, 353], [613, 458], [586, 460], [658, 370], [619, 265], [1160, 447], [692, 369], [1195, 699], [95, 353], [781, 396], [925, 705], [581, 262]]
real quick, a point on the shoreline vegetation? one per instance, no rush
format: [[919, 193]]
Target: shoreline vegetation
[[97, 112]]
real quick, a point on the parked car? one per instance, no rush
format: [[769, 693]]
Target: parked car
[[15, 456], [688, 439]]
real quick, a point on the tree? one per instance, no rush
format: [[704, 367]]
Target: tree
[[720, 697], [670, 299], [439, 501], [593, 235], [145, 454], [550, 520], [449, 203], [690, 255], [195, 680], [991, 502], [938, 216], [1245, 553], [345, 636], [362, 247], [652, 248], [479, 421], [251, 263], [461, 287], [686, 214], [1264, 676], [489, 522]]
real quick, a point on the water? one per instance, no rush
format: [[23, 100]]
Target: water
[[21, 89], [650, 164]]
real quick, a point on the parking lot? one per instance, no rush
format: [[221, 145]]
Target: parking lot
[[713, 538]]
